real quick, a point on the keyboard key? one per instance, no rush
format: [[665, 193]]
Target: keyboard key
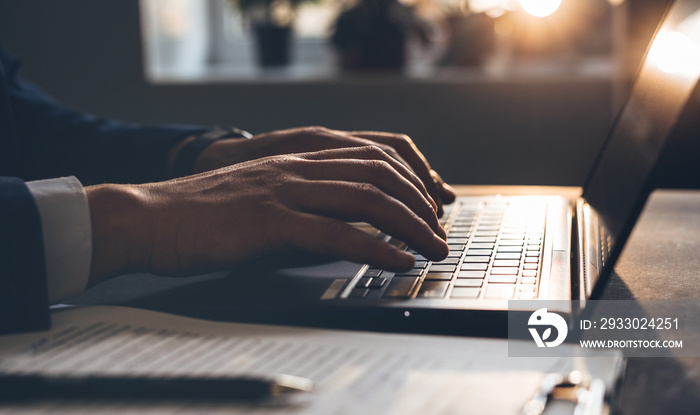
[[479, 252], [500, 291], [532, 260], [447, 261], [510, 249], [363, 282], [359, 292], [485, 259], [412, 273], [532, 254], [401, 287], [480, 246], [456, 247], [506, 263], [441, 268], [530, 266], [455, 254], [502, 279], [442, 276], [529, 273], [474, 266], [377, 282], [527, 288], [485, 239], [373, 272], [468, 282], [510, 243], [433, 289], [419, 257], [471, 274], [454, 234], [504, 271], [526, 295], [507, 255], [420, 264], [465, 292], [532, 247], [481, 233], [528, 280], [453, 240]]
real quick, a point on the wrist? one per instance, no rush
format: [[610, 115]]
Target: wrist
[[187, 156], [121, 241]]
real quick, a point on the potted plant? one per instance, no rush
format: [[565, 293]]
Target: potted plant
[[271, 22]]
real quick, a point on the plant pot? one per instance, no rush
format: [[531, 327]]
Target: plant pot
[[273, 44]]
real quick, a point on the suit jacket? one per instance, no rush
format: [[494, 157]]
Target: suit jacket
[[40, 138]]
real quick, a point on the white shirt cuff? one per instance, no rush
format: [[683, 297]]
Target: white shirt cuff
[[67, 231]]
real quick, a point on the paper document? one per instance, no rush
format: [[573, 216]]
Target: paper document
[[355, 372]]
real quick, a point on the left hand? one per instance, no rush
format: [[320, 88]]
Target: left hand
[[306, 139]]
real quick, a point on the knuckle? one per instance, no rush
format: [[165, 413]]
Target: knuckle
[[390, 151], [378, 165], [374, 150], [367, 192], [315, 129], [404, 138]]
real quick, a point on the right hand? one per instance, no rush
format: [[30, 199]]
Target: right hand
[[216, 219]]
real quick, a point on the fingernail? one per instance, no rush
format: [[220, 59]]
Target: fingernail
[[444, 248], [441, 232], [433, 203]]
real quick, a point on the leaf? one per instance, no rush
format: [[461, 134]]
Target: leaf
[[547, 333]]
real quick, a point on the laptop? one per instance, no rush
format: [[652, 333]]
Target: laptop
[[501, 247]]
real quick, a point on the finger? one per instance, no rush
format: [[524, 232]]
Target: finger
[[333, 237], [309, 139], [409, 152], [363, 202], [377, 173], [373, 153], [447, 193]]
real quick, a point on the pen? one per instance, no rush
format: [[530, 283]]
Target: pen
[[19, 387]]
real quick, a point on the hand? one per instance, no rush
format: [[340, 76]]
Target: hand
[[399, 146], [215, 219]]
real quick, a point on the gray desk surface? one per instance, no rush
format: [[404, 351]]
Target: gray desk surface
[[660, 261]]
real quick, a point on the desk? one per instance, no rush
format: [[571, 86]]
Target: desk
[[660, 261]]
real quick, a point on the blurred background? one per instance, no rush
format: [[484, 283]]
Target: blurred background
[[493, 91]]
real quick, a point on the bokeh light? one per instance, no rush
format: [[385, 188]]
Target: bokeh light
[[540, 8]]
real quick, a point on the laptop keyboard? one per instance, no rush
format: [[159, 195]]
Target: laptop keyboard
[[495, 253]]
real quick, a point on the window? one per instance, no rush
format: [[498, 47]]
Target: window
[[209, 40]]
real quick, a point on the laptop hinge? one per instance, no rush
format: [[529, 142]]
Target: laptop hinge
[[587, 249]]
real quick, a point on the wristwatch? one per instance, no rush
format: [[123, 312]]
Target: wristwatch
[[184, 161]]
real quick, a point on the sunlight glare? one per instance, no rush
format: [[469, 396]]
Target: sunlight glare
[[675, 53]]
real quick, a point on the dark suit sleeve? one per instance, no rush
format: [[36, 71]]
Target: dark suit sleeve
[[23, 293], [54, 140]]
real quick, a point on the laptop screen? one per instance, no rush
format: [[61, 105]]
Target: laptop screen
[[617, 186]]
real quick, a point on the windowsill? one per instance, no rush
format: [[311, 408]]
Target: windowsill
[[590, 69]]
